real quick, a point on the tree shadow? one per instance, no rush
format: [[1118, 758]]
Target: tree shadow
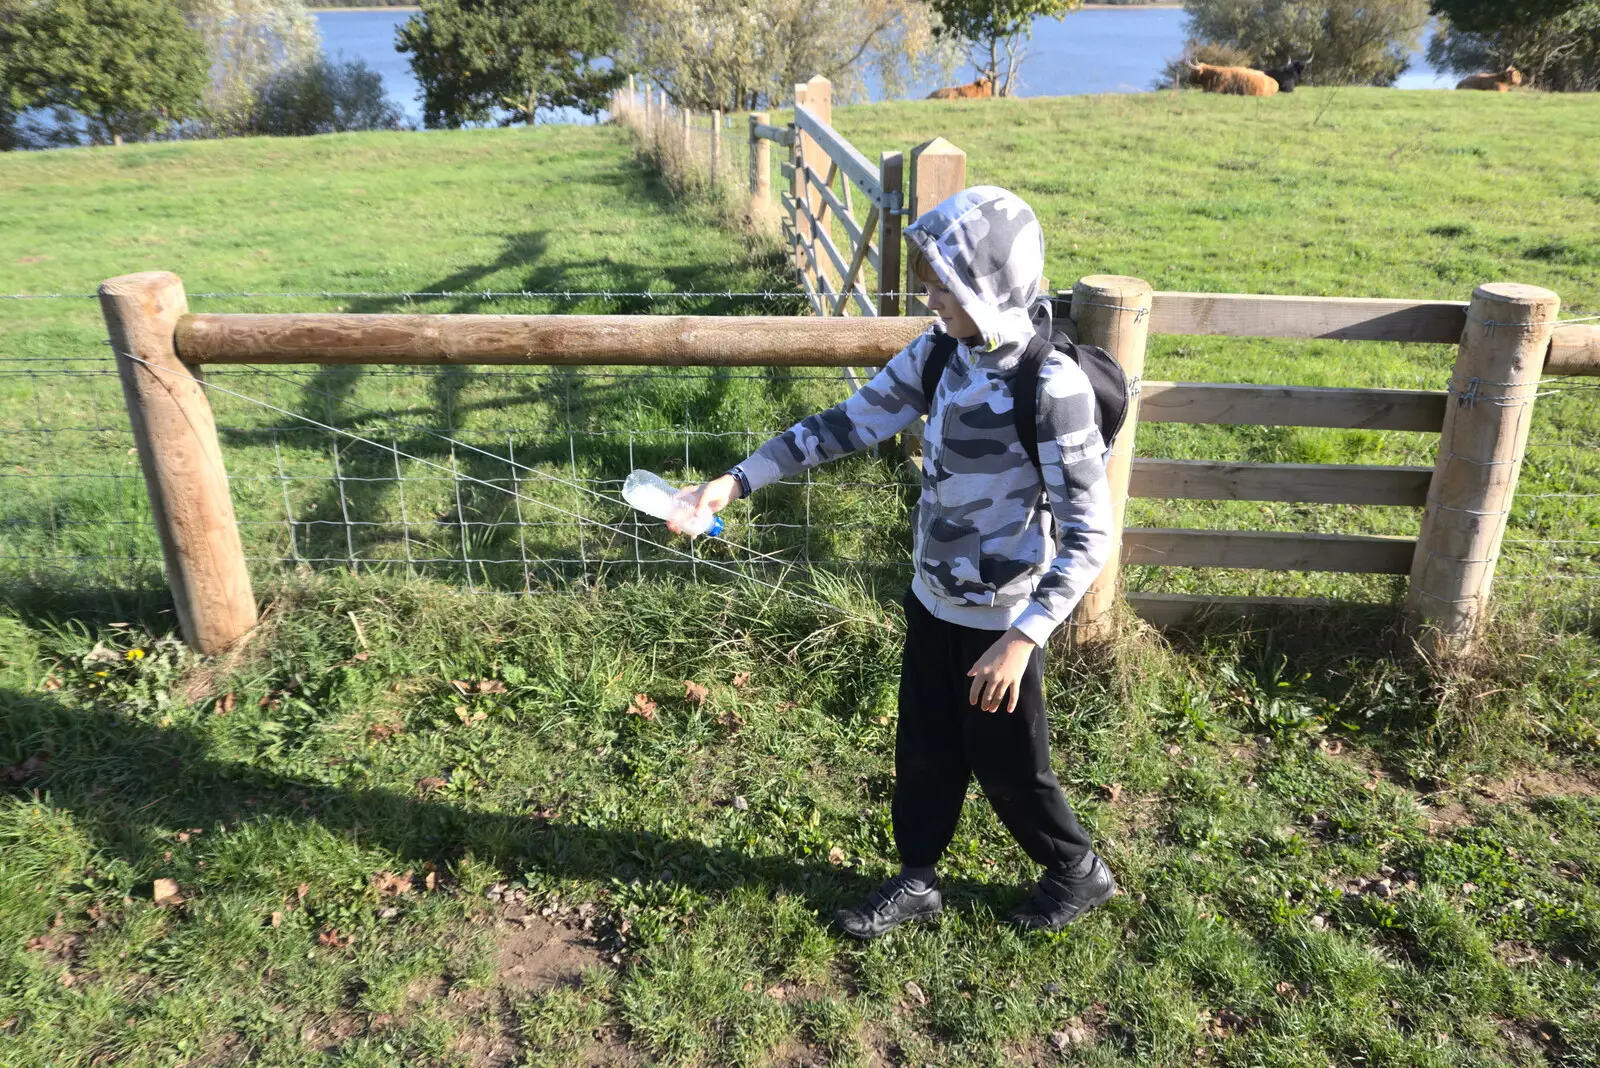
[[128, 784]]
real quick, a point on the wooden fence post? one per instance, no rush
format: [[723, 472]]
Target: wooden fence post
[[938, 170], [181, 457], [891, 179], [1485, 432], [1112, 312], [716, 144], [760, 168], [686, 116], [819, 101]]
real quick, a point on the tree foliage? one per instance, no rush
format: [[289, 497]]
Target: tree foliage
[[734, 55], [1554, 43], [323, 97], [505, 60], [130, 67], [993, 29], [1351, 42], [249, 42]]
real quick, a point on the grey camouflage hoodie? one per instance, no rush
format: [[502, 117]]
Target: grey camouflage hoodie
[[996, 545]]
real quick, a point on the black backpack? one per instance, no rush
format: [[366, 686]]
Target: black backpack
[[1105, 375]]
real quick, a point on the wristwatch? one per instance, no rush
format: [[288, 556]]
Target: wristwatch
[[744, 480]]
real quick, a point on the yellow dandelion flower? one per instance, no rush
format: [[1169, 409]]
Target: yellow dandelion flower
[[135, 654]]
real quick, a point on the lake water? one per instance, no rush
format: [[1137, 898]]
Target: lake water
[[1087, 52]]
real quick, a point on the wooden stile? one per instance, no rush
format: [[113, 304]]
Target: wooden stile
[[181, 459], [1112, 312], [1496, 377]]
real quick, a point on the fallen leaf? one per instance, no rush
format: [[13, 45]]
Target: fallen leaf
[[277, 919], [332, 938], [226, 704], [301, 891], [52, 683], [476, 717], [642, 706], [430, 880], [695, 693], [182, 836], [165, 892], [1285, 989], [362, 655], [741, 804], [1070, 1037], [388, 884], [915, 992], [784, 706], [1112, 791], [382, 732], [429, 783], [775, 992], [742, 679], [491, 686], [38, 944], [836, 855], [67, 979], [101, 655], [464, 687], [731, 719], [25, 770]]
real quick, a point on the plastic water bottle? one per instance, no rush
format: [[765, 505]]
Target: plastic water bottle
[[653, 495]]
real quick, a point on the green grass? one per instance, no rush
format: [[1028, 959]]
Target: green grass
[[1248, 784]]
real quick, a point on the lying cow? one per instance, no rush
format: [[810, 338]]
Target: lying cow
[[1288, 75], [1241, 81], [1491, 81], [978, 90]]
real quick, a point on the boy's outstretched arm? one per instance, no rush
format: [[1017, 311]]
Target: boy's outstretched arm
[[880, 409], [1071, 458]]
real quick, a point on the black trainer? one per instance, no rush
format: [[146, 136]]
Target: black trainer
[[1060, 899], [893, 903]]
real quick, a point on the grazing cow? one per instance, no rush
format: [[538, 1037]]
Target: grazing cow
[[978, 90], [1241, 81], [1491, 81], [1288, 75]]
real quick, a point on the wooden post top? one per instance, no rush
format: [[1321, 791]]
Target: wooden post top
[[127, 284], [1113, 285], [1513, 293], [938, 147]]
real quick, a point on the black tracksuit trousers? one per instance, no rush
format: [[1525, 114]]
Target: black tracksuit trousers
[[943, 739]]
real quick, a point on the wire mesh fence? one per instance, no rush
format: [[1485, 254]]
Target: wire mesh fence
[[504, 479]]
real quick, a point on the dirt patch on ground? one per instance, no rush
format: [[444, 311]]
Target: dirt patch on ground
[[1528, 785], [536, 954]]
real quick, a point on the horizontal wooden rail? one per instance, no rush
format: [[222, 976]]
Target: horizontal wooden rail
[[1340, 318], [856, 167], [665, 340], [820, 236], [1310, 483], [781, 134], [1574, 350], [1176, 609], [1252, 405], [1268, 550]]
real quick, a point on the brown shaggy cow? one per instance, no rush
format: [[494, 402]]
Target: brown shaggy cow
[[1241, 81], [1494, 82], [978, 90]]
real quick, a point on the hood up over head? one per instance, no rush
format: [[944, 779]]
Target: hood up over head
[[987, 247]]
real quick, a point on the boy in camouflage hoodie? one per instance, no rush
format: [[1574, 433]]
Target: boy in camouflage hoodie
[[1003, 552]]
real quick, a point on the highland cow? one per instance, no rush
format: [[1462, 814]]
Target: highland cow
[[978, 90], [1492, 82], [1240, 81]]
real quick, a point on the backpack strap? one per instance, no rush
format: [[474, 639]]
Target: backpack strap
[[1025, 396], [944, 347]]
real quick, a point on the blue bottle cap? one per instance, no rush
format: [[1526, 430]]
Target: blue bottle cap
[[715, 528]]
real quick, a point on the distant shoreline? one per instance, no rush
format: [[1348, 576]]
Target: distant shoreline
[[322, 10]]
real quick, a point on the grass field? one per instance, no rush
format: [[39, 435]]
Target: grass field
[[413, 823]]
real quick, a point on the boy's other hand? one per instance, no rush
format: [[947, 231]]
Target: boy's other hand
[[707, 499], [997, 676]]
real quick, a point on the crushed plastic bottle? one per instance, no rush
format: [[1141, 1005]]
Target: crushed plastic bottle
[[654, 495]]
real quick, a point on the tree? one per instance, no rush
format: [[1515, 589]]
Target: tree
[[130, 67], [737, 55], [249, 42], [991, 27], [1554, 43], [506, 59], [1351, 42], [324, 97]]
